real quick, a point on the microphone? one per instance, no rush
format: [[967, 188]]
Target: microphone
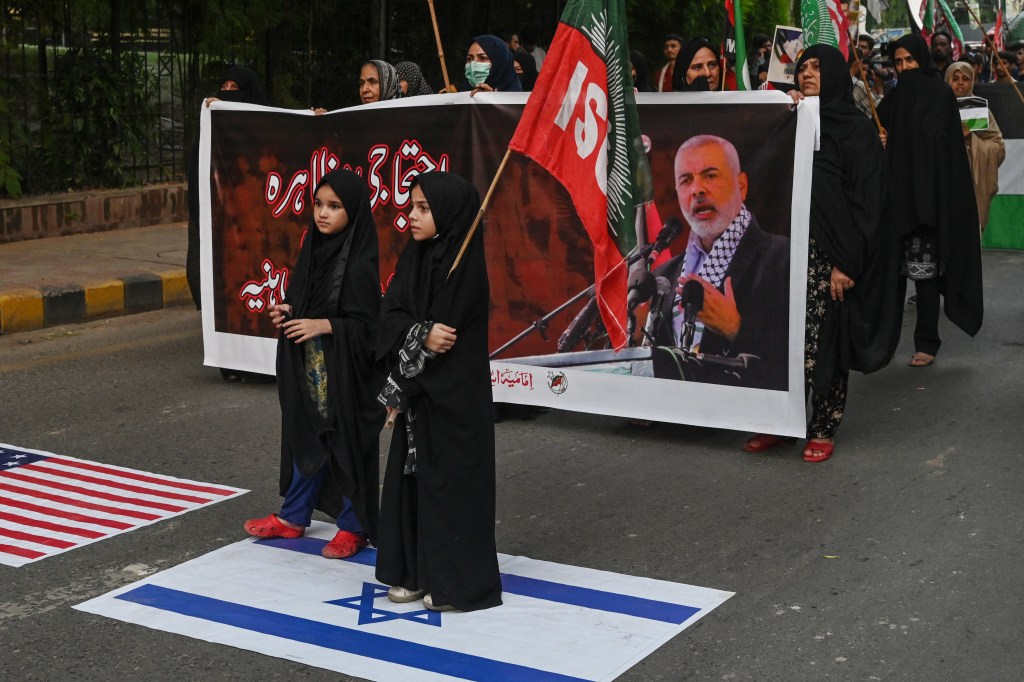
[[692, 302], [669, 231], [663, 288], [578, 327], [641, 287]]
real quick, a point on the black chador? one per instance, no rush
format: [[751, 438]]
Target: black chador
[[438, 504]]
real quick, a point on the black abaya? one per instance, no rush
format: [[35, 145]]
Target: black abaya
[[336, 278], [931, 178], [850, 202], [437, 525]]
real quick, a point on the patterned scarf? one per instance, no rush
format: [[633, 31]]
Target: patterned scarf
[[390, 88], [714, 268]]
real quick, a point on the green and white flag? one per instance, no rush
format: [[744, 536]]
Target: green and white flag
[[974, 112]]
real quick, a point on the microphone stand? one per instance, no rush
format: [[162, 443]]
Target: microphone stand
[[541, 324]]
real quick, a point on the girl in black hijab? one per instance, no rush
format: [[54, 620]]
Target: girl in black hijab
[[697, 53], [934, 208], [854, 308], [411, 80], [330, 422], [489, 66], [438, 503]]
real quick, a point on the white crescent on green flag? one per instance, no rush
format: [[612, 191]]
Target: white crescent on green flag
[[824, 23]]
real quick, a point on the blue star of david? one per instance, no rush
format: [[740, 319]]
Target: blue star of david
[[369, 614]]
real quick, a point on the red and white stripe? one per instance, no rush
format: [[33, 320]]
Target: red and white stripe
[[54, 505]]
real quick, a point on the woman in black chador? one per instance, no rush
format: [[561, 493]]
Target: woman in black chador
[[934, 207], [437, 510], [330, 421]]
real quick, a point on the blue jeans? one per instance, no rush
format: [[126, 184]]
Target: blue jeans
[[300, 499]]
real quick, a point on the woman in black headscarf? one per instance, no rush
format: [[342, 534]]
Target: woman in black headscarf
[[698, 68], [490, 67], [526, 69], [641, 77], [411, 80], [237, 84], [438, 504], [854, 308], [378, 81], [330, 422], [934, 208]]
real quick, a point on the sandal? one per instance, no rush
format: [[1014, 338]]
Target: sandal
[[271, 527], [764, 441], [817, 451], [920, 359], [344, 545]]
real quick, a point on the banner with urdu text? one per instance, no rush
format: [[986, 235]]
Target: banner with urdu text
[[737, 164]]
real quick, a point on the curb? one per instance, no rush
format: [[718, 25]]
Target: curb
[[27, 309]]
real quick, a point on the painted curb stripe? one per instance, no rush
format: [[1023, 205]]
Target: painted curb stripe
[[63, 305], [106, 298], [612, 602], [143, 293], [21, 311], [335, 637]]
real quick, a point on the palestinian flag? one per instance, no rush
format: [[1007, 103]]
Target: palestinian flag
[[581, 125], [974, 112], [825, 23], [1004, 222]]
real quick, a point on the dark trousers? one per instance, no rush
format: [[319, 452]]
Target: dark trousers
[[926, 332], [300, 500]]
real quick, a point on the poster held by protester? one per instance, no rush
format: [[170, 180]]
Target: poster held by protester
[[261, 164], [786, 50]]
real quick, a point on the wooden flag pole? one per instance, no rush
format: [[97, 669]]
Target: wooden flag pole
[[480, 213], [995, 52], [864, 80], [440, 50]]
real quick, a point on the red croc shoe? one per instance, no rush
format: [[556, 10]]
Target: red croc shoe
[[344, 545], [817, 451], [271, 527], [764, 441]]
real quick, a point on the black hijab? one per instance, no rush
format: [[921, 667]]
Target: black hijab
[[249, 90], [850, 224], [699, 84], [421, 290], [642, 82], [337, 278], [918, 49], [502, 76], [529, 66]]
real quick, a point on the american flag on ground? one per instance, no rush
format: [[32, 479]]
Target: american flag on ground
[[51, 503]]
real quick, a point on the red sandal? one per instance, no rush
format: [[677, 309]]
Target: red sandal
[[764, 441], [344, 545], [271, 527], [817, 452]]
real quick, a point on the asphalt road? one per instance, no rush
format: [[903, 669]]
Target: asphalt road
[[899, 559]]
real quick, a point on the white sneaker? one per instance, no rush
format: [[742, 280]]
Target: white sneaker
[[400, 595], [429, 603]]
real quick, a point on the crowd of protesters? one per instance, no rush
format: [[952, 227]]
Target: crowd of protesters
[[900, 190]]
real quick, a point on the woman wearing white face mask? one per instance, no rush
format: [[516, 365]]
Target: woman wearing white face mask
[[489, 66]]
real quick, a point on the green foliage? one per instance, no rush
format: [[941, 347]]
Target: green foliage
[[99, 119]]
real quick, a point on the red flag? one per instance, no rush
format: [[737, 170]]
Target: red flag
[[581, 125]]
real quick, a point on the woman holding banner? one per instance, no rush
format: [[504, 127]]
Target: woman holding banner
[[854, 310], [330, 423], [438, 504]]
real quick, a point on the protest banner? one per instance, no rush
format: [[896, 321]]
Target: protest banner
[[259, 166]]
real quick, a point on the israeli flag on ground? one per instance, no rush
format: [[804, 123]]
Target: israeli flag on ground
[[281, 598]]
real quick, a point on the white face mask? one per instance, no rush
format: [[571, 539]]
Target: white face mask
[[477, 72]]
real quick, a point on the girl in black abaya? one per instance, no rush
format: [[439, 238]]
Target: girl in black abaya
[[934, 206], [330, 422], [438, 504]]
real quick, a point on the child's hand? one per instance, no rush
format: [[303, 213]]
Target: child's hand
[[305, 329], [279, 313], [441, 338]]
